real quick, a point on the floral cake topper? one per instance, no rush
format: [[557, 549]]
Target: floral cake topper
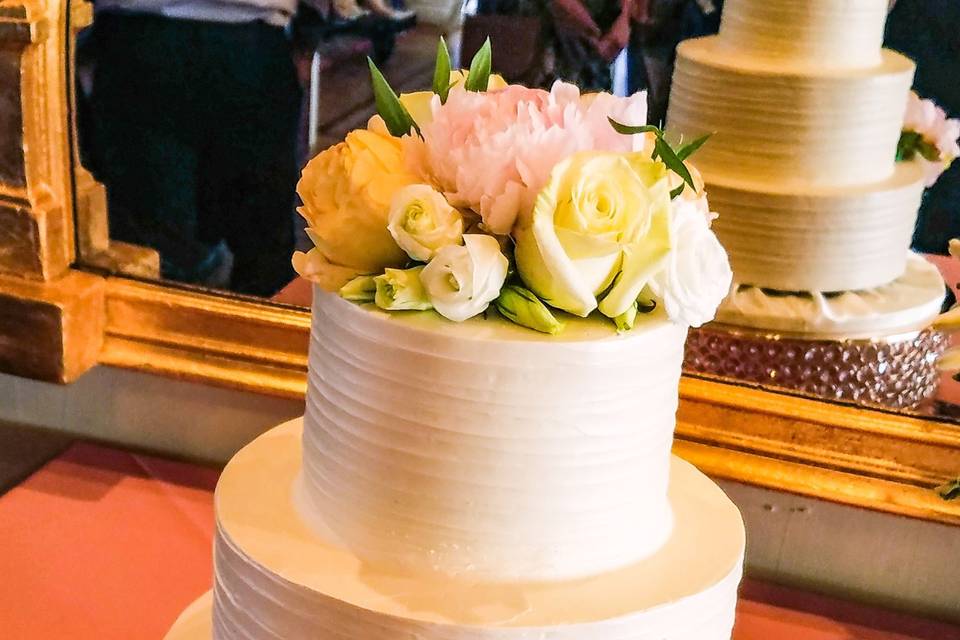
[[480, 193]]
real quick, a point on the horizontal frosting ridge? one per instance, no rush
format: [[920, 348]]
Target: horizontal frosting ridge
[[827, 240], [826, 33], [803, 127], [473, 448]]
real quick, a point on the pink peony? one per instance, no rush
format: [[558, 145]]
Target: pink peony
[[931, 122], [493, 152]]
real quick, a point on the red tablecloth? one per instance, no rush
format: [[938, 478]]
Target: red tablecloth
[[103, 544]]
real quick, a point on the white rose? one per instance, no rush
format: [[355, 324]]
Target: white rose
[[462, 280], [697, 275], [422, 221]]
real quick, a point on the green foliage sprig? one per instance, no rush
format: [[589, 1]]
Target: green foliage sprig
[[441, 71], [479, 75], [911, 143], [662, 150], [398, 120], [950, 490]]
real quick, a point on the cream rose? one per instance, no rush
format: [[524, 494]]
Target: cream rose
[[347, 191], [422, 222], [462, 280], [601, 227], [697, 275]]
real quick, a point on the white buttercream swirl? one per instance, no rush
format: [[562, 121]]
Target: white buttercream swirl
[[486, 449]]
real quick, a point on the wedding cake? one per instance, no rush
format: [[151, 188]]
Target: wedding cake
[[503, 286], [806, 110]]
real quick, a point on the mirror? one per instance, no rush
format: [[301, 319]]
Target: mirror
[[824, 303], [198, 136]]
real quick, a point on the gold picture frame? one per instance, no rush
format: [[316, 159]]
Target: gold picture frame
[[58, 320]]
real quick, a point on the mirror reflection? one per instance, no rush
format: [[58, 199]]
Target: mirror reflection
[[197, 118], [818, 175]]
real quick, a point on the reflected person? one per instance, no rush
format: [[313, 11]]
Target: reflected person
[[195, 111]]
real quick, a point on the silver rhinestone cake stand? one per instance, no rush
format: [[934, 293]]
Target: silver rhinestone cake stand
[[897, 371]]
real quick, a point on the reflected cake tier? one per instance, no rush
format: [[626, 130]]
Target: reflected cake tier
[[788, 126], [819, 33], [486, 449], [276, 578], [810, 239]]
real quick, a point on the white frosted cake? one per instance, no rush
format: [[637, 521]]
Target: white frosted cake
[[504, 282], [474, 480], [807, 109]]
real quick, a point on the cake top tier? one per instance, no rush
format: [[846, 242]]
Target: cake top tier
[[822, 33]]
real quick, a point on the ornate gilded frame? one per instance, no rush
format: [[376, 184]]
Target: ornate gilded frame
[[57, 321]]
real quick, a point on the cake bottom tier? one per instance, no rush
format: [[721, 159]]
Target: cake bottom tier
[[276, 577]]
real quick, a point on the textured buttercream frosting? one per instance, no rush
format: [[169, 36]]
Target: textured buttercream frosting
[[486, 449], [806, 110], [817, 239], [276, 579], [818, 33], [789, 125]]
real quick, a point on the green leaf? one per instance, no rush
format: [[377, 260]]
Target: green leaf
[[479, 75], [688, 150], [441, 72], [906, 146], [950, 490], [675, 164], [676, 192], [628, 130], [928, 151], [394, 114], [911, 143]]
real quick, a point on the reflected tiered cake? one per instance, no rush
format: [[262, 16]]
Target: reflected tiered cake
[[475, 481], [817, 216]]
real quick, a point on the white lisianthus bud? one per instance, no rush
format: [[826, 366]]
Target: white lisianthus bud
[[521, 306], [626, 320], [360, 289], [422, 221], [697, 275], [401, 290], [462, 281]]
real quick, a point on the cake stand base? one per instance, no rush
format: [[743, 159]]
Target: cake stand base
[[196, 622], [898, 372]]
